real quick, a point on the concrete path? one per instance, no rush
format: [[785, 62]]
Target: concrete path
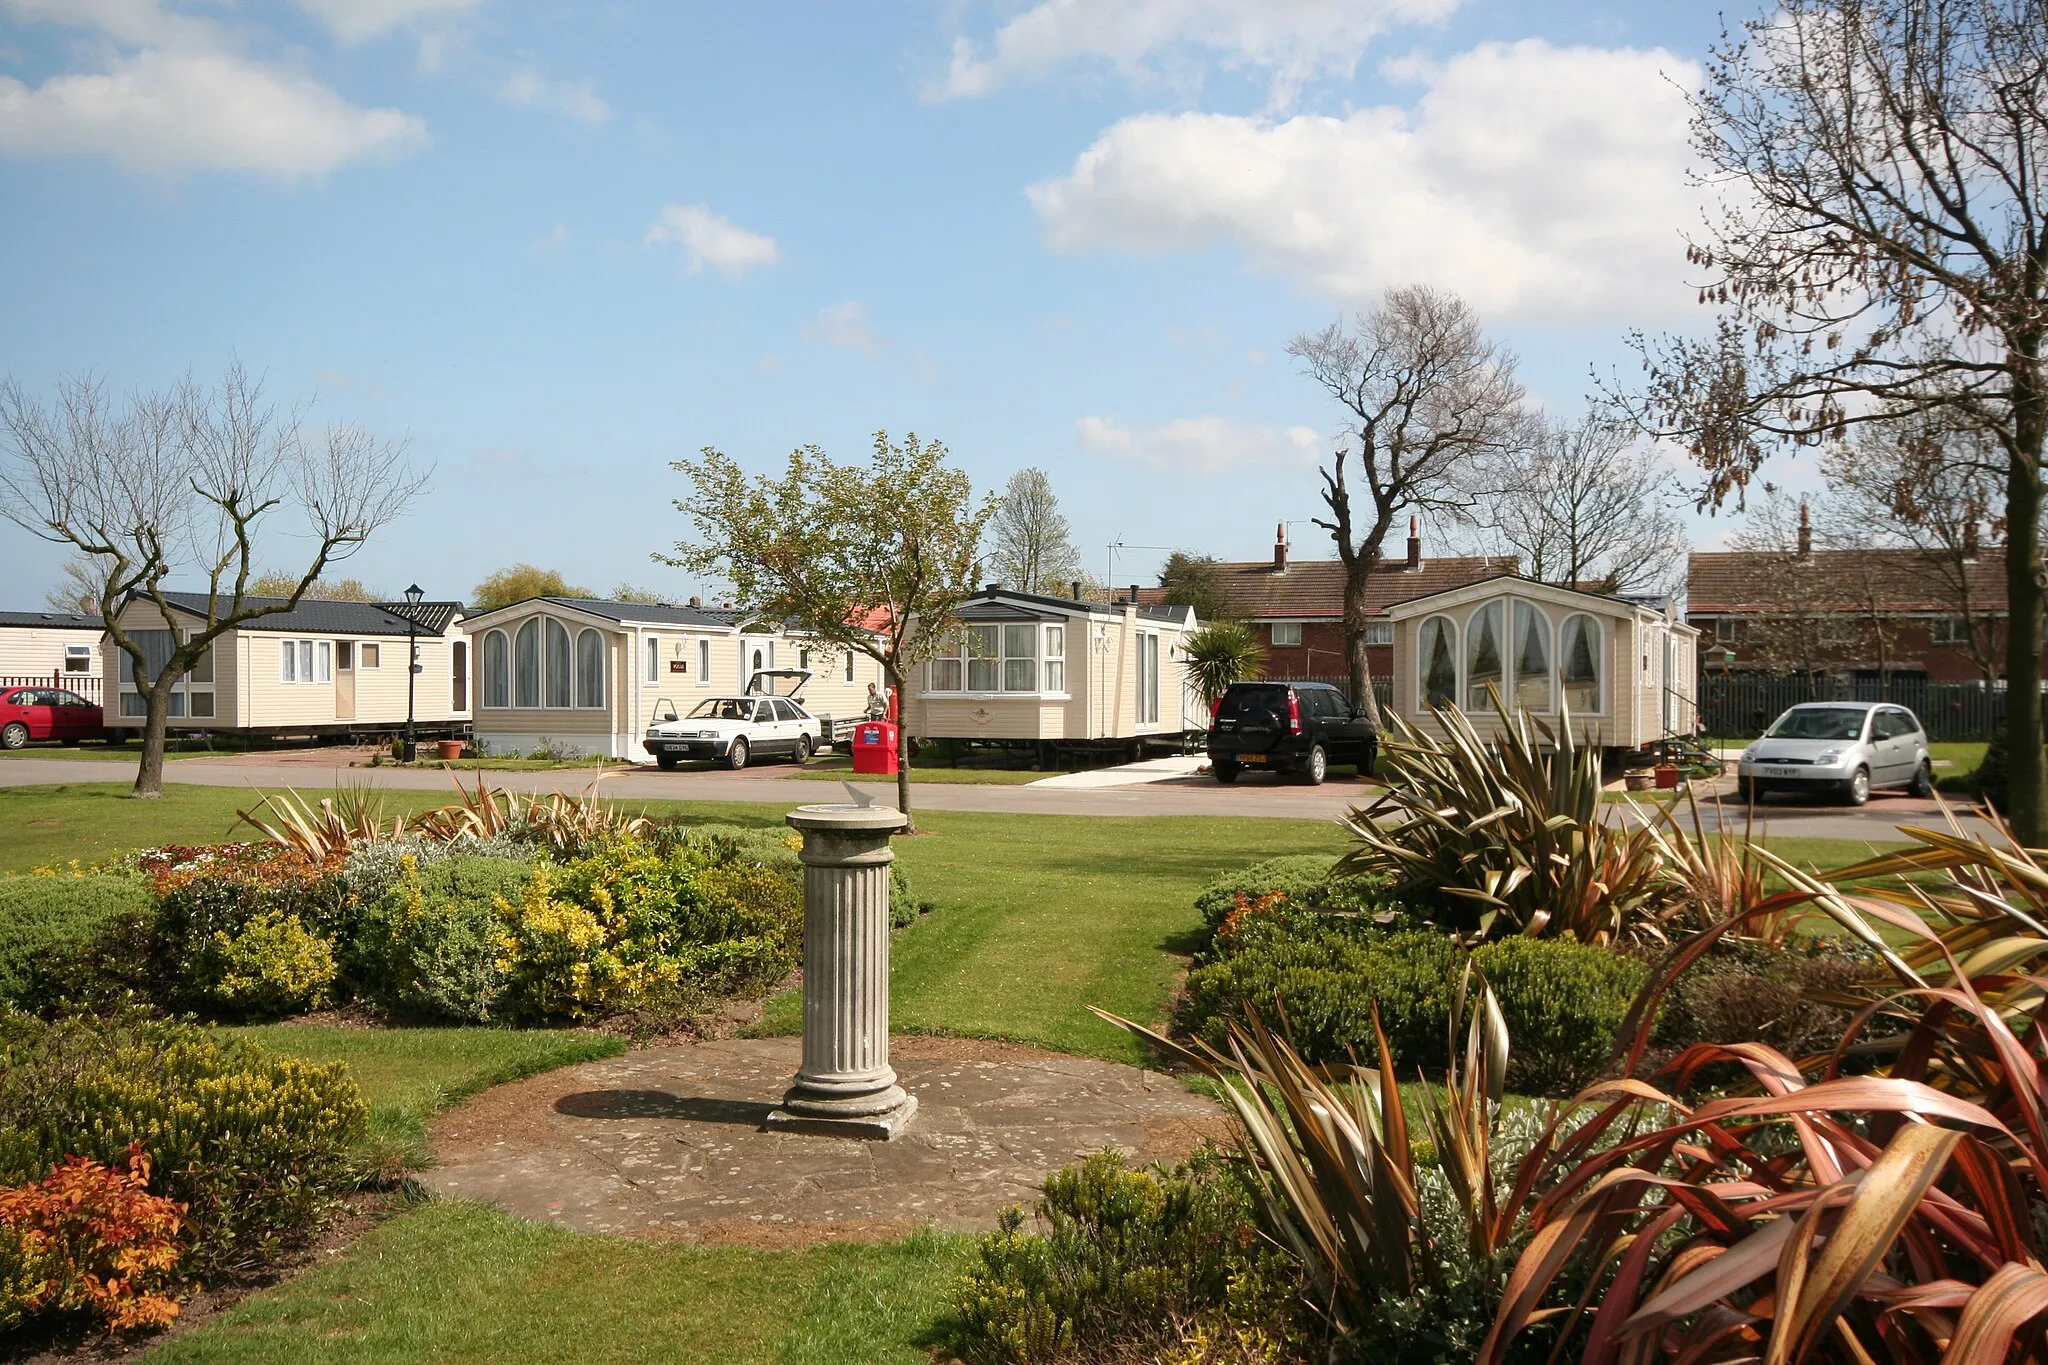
[[667, 1143], [1254, 794], [1128, 774]]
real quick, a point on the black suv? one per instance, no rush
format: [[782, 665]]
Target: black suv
[[1288, 727]]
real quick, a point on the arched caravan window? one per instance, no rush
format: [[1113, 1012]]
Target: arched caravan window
[[1438, 655], [1579, 657], [589, 669], [560, 675], [497, 670], [526, 664], [1484, 661], [1532, 657]]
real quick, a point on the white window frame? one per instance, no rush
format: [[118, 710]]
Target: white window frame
[[577, 690], [1379, 632], [954, 674], [1512, 660], [1599, 660], [1147, 675], [1052, 663], [81, 655], [654, 658], [704, 662], [1457, 641], [1291, 639]]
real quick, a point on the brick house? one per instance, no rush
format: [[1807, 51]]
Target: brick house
[[1862, 616], [1297, 606]]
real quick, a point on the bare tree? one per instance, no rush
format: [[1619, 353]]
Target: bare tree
[[78, 589], [1913, 484], [1428, 401], [1816, 601], [183, 484], [1588, 506], [1034, 550], [1882, 249]]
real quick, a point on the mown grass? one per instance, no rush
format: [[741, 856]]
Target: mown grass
[[411, 1074], [459, 1283]]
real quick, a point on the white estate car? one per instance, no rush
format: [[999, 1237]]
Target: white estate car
[[735, 729]]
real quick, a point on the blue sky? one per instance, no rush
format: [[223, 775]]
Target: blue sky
[[558, 246]]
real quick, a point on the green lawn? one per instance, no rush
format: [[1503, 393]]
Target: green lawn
[[834, 767], [410, 1074], [459, 1282]]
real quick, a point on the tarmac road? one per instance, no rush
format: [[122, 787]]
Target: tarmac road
[[1253, 795]]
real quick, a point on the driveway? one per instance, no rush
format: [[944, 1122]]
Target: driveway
[[1252, 795]]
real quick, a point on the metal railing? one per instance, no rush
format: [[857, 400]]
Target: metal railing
[[1382, 688], [1739, 704]]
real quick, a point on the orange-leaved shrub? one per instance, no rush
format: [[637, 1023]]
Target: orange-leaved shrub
[[90, 1239]]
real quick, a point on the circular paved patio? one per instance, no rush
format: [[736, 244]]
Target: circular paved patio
[[666, 1143]]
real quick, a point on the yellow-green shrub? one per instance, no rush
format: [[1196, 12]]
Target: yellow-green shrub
[[272, 965], [255, 1145]]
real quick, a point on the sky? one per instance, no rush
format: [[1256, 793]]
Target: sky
[[555, 247]]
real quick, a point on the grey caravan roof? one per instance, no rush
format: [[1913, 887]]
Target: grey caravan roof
[[321, 617]]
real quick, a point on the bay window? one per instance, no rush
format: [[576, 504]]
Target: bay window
[[1055, 658], [1019, 657]]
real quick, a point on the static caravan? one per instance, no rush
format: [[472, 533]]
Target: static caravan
[[588, 675], [1067, 676], [320, 668], [54, 647], [1623, 667]]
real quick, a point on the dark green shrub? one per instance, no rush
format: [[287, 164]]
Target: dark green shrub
[[249, 930], [1780, 995], [1123, 1259], [256, 1146], [1305, 879], [44, 915], [428, 945], [1563, 1002]]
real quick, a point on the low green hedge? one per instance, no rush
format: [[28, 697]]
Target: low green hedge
[[1322, 975], [40, 914], [1306, 880]]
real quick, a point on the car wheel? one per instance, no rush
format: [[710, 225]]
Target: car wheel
[[1316, 766], [1225, 770], [1923, 781], [668, 763], [1859, 787], [803, 749], [15, 736], [1749, 790], [736, 757]]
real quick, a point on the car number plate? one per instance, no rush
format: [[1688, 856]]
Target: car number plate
[[1251, 758], [1781, 772]]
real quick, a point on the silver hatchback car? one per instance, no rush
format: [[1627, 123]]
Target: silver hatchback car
[[1848, 747]]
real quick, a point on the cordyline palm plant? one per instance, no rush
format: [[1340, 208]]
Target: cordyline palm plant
[[1221, 653], [1337, 1175], [1506, 832], [1899, 1215], [353, 815]]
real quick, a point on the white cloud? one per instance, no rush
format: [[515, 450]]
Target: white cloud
[[844, 324], [552, 240], [169, 112], [768, 364], [352, 21], [1292, 41], [1201, 445], [172, 93], [1542, 183], [531, 90], [711, 239]]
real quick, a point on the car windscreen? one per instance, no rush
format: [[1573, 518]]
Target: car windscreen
[[1818, 722], [1253, 703], [723, 708]]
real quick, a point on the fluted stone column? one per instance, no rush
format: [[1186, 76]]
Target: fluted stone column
[[846, 1085]]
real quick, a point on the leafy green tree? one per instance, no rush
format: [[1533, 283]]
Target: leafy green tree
[[875, 558], [1196, 581], [1221, 653], [518, 583]]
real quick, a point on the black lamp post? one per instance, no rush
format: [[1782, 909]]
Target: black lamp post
[[413, 595]]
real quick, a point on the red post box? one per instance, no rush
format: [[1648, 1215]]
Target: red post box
[[874, 747]]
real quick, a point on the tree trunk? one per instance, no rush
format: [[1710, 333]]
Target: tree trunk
[[1356, 576], [894, 681], [149, 774], [2026, 765]]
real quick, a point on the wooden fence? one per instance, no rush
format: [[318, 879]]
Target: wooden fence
[[84, 684], [1741, 705]]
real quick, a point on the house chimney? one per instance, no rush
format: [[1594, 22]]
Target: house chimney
[[696, 601], [1970, 538], [1280, 548], [1414, 543], [1805, 531], [1076, 585], [1134, 594], [991, 587]]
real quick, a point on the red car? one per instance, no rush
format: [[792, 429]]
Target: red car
[[28, 713]]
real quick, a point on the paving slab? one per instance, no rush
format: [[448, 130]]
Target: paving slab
[[668, 1143]]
